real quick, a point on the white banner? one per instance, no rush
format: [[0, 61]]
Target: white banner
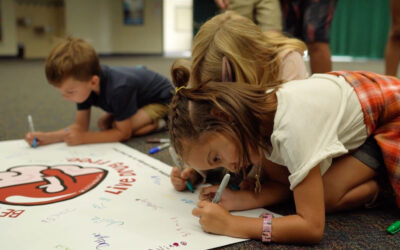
[[100, 196]]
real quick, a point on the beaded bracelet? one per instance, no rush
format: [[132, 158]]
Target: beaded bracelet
[[266, 233]]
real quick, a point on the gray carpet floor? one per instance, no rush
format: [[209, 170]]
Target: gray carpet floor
[[24, 90]]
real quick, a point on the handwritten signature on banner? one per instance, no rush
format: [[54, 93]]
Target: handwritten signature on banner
[[102, 203], [108, 222], [101, 241], [179, 228], [148, 203], [55, 216], [156, 179], [169, 246]]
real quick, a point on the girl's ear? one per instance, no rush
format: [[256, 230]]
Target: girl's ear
[[219, 113]]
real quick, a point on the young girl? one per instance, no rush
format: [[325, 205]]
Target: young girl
[[308, 126], [256, 57], [232, 47]]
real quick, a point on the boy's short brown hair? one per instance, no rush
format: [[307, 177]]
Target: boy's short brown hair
[[72, 57]]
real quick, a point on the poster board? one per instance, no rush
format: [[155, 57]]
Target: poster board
[[101, 196]]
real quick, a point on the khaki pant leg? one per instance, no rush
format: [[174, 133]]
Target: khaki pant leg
[[243, 7], [268, 15]]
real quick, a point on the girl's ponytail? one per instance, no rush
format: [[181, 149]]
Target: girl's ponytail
[[180, 73]]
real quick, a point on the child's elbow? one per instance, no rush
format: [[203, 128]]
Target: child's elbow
[[315, 234], [125, 135]]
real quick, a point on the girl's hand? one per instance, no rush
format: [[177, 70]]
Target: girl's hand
[[228, 197], [74, 137], [178, 178], [213, 217], [41, 138]]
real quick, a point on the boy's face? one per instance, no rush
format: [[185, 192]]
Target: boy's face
[[78, 91], [213, 151]]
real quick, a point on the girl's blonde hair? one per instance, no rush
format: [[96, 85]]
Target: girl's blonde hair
[[237, 110], [255, 57]]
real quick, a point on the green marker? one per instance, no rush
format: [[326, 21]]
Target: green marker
[[394, 228]]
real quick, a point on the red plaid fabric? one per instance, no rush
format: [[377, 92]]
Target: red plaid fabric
[[379, 96]]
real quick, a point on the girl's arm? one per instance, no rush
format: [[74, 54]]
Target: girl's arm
[[306, 226], [271, 193]]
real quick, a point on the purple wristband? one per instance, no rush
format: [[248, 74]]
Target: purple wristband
[[266, 233]]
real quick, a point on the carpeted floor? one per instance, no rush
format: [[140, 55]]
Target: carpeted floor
[[24, 90]]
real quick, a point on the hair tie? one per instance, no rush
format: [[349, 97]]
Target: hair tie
[[226, 68], [178, 88]]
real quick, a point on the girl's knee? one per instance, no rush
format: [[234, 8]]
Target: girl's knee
[[358, 196]]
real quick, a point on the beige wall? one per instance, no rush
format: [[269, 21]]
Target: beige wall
[[90, 20], [8, 45], [137, 39], [98, 21], [101, 23], [49, 17]]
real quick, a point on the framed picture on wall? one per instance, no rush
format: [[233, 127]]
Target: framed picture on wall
[[133, 12]]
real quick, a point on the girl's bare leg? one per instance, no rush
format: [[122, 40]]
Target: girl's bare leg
[[348, 184]]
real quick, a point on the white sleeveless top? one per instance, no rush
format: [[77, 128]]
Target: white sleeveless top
[[317, 119]]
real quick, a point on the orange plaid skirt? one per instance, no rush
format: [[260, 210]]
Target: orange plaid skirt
[[379, 96]]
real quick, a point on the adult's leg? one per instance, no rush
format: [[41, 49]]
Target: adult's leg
[[317, 18], [349, 183], [392, 51], [268, 15], [320, 57], [243, 7]]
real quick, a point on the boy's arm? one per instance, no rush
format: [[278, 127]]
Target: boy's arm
[[122, 131], [82, 119]]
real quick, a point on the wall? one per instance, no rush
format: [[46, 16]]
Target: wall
[[98, 21], [145, 39], [45, 24], [8, 45], [101, 23], [90, 20], [178, 26]]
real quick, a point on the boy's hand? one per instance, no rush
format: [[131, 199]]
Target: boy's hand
[[213, 217], [74, 137], [178, 178], [41, 138]]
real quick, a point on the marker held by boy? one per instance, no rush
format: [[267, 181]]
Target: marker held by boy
[[221, 188], [177, 163], [32, 129], [159, 148]]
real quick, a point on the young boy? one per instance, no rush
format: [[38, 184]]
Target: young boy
[[135, 99]]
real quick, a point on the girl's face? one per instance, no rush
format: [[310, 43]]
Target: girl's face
[[212, 151]]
